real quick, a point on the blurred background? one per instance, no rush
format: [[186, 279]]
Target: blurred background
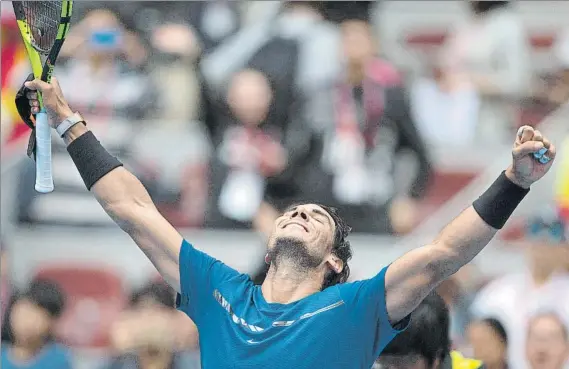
[[398, 113]]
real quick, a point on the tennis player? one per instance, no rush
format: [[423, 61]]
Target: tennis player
[[304, 315]]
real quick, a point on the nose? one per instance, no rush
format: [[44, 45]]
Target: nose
[[299, 213]]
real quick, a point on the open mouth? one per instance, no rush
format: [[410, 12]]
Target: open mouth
[[297, 224]]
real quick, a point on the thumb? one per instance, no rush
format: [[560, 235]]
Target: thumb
[[37, 84], [527, 148]]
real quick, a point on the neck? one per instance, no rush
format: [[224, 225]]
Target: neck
[[287, 284], [155, 361], [25, 352], [356, 74], [541, 275]]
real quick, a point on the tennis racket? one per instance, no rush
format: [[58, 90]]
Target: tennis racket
[[43, 25]]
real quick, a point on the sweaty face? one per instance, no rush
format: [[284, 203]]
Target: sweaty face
[[305, 232], [547, 348]]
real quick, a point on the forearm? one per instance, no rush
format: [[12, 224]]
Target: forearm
[[459, 242], [474, 228], [127, 202], [119, 192]]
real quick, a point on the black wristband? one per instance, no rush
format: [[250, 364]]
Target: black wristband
[[499, 201], [91, 159]]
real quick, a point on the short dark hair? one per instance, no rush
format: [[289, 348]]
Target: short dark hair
[[43, 293], [427, 335], [47, 295], [497, 327], [314, 5], [481, 7], [159, 291], [341, 246]]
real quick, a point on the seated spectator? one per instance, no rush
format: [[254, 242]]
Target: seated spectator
[[150, 335], [547, 345], [106, 57], [374, 164], [425, 343], [484, 72], [27, 333], [545, 285], [489, 342]]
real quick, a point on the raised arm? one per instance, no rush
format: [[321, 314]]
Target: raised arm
[[411, 277], [118, 191]]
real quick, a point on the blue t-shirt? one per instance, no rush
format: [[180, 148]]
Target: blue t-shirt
[[52, 356], [344, 326]]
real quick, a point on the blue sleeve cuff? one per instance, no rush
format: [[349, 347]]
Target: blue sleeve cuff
[[183, 298]]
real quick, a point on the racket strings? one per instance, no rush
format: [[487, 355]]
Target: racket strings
[[43, 19]]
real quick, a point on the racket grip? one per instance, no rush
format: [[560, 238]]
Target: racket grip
[[44, 179]]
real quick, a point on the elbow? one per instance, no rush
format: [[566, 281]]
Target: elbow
[[128, 214]]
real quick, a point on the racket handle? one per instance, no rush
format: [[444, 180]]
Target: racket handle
[[44, 179]]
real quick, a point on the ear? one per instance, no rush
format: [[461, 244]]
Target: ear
[[335, 263]]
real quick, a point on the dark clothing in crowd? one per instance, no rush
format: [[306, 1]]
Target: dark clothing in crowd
[[364, 148]]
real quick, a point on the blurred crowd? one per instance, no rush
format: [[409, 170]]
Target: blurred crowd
[[230, 111]]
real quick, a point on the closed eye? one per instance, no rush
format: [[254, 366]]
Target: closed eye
[[318, 219]]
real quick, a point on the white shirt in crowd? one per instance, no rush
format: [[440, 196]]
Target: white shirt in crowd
[[513, 299]]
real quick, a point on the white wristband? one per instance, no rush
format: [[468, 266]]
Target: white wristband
[[68, 123]]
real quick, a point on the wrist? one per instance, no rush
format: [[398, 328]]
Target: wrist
[[498, 203], [512, 178], [64, 113], [74, 132]]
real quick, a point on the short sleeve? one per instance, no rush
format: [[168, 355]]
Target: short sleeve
[[199, 274], [366, 299]]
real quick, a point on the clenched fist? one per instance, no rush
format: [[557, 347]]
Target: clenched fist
[[54, 103], [533, 154]]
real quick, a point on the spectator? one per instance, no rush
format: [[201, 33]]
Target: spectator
[[148, 335], [27, 333], [372, 126], [547, 345], [485, 71], [108, 58], [512, 298], [425, 343], [301, 21], [254, 151], [173, 63], [489, 343]]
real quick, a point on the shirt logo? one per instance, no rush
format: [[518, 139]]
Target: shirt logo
[[252, 341]]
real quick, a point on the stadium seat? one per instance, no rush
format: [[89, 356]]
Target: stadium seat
[[94, 296]]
